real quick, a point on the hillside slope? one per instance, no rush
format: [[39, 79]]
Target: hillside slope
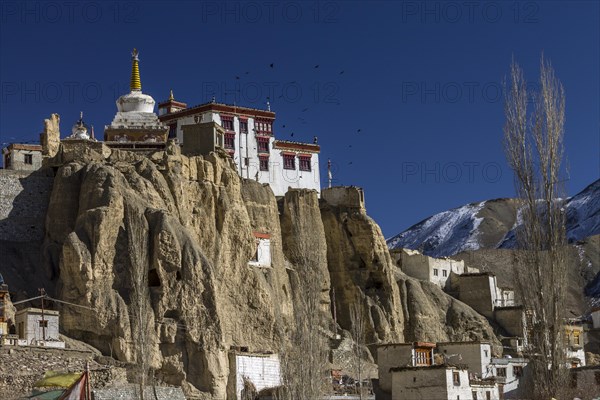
[[491, 224]]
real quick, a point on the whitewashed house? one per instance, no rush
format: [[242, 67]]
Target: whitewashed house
[[508, 372], [262, 256], [263, 370], [425, 268]]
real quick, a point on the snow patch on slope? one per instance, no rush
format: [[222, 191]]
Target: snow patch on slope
[[448, 232], [453, 231]]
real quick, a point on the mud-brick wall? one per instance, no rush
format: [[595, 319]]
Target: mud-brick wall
[[24, 198]]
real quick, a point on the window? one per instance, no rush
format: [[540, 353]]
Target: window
[[517, 370], [243, 125], [229, 142], [501, 372], [488, 395], [263, 127], [43, 323], [444, 272], [474, 393], [227, 122], [456, 378], [263, 163], [423, 357], [435, 272], [172, 131], [304, 163], [29, 159], [263, 144], [485, 353], [289, 161]]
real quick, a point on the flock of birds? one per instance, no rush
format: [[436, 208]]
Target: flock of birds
[[302, 120]]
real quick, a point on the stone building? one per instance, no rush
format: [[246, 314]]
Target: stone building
[[392, 355], [475, 355], [437, 382], [39, 327], [574, 341], [22, 157], [248, 136]]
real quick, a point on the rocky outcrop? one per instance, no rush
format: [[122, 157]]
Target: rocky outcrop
[[50, 138], [189, 223]]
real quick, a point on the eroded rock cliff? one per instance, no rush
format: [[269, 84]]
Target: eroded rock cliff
[[195, 218]]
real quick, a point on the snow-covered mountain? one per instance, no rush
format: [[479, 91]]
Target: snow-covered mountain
[[491, 224]]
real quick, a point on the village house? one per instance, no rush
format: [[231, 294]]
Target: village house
[[39, 327], [475, 355], [392, 355], [22, 157], [425, 268], [436, 382], [508, 372]]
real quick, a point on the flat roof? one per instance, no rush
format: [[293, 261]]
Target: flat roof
[[33, 310], [219, 107], [21, 146], [429, 367], [465, 342]]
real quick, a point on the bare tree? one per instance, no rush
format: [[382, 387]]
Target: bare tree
[[304, 362], [137, 246], [357, 317], [534, 149]]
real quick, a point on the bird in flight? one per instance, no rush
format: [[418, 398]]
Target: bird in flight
[[272, 64], [317, 66]]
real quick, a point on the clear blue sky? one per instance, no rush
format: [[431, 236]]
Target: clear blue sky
[[420, 80]]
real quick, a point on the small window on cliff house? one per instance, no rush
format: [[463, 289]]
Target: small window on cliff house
[[28, 159], [444, 273], [435, 272], [44, 323]]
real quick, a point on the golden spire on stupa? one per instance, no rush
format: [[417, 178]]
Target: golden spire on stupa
[[136, 83]]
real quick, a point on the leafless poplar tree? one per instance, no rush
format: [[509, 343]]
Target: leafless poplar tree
[[137, 245], [357, 317], [534, 149]]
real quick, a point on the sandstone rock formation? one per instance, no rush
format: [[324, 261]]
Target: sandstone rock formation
[[196, 219], [50, 138]]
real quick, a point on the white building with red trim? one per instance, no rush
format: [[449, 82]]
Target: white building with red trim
[[249, 139]]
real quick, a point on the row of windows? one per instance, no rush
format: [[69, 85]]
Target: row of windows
[[264, 127], [289, 162], [444, 272]]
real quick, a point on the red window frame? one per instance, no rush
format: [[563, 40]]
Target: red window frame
[[289, 161], [263, 126], [229, 140], [243, 125], [304, 162], [262, 144], [227, 122], [263, 163]]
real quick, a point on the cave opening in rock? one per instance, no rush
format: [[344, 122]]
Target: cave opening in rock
[[153, 278]]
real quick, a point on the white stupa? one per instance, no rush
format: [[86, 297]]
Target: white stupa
[[79, 130], [135, 120]]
